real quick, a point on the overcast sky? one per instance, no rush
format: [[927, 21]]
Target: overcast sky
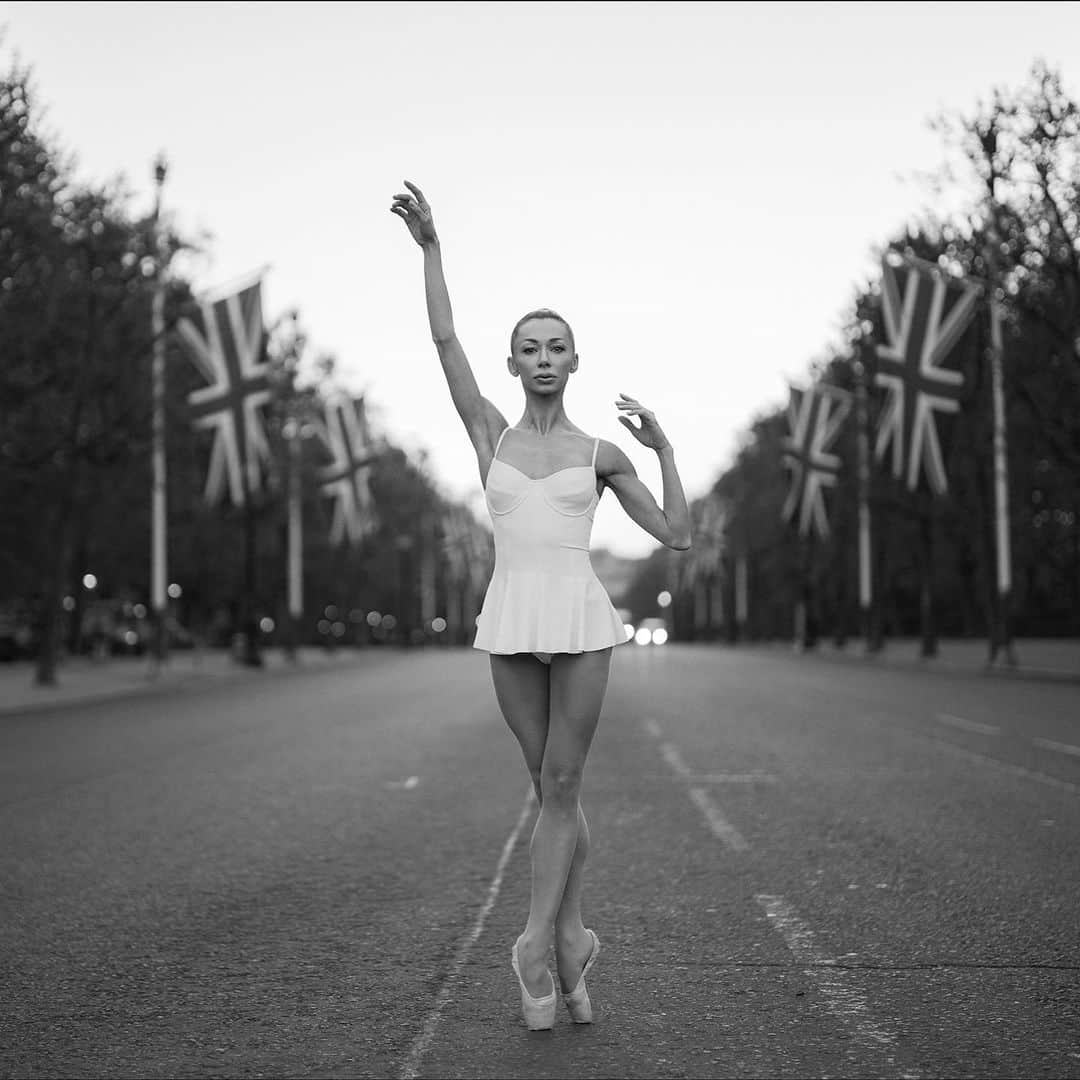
[[698, 188]]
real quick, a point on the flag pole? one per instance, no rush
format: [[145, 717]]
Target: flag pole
[[866, 579], [1000, 637], [251, 656], [1000, 640], [158, 550], [295, 535]]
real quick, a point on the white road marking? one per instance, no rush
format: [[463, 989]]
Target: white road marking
[[721, 828], [671, 755], [845, 1002], [968, 725], [1004, 766], [736, 778], [408, 784], [1061, 747], [411, 1069]]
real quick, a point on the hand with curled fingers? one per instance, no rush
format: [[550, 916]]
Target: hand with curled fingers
[[650, 433], [413, 209]]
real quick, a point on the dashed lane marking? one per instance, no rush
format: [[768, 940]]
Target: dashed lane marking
[[1060, 747], [968, 725], [670, 753], [844, 1001], [411, 1068], [1003, 766], [721, 828], [718, 825], [736, 778]]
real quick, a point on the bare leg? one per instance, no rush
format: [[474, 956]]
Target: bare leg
[[577, 688], [523, 690], [572, 942]]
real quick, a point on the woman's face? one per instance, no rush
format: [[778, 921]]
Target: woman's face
[[543, 355]]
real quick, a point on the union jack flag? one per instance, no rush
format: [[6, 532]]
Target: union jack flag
[[226, 341], [815, 417], [345, 480], [924, 314]]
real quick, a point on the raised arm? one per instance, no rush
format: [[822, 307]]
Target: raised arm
[[481, 418], [670, 524]]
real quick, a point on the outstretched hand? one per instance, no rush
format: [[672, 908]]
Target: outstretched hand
[[414, 211], [650, 433]]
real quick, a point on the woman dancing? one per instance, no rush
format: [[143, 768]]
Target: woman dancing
[[546, 620]]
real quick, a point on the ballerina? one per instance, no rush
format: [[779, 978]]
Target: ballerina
[[546, 620]]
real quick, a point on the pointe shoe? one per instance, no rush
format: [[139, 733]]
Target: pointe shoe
[[539, 1013], [577, 1001]]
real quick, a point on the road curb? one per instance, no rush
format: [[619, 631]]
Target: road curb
[[935, 665], [176, 682]]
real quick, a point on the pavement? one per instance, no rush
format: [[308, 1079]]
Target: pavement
[[799, 868], [81, 679], [1031, 658]]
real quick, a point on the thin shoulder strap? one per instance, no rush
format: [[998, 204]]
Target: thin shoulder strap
[[596, 446], [495, 452]]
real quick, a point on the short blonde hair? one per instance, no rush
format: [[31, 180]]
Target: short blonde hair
[[540, 313]]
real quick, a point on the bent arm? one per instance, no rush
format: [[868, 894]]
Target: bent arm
[[669, 524]]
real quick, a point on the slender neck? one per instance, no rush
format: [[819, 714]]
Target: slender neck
[[543, 414]]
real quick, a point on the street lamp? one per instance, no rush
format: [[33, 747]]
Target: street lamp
[[158, 599]]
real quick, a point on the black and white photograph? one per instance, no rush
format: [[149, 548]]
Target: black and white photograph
[[540, 540]]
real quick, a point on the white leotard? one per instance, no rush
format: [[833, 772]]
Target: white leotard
[[544, 596]]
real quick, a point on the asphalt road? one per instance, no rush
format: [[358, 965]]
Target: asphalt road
[[801, 869]]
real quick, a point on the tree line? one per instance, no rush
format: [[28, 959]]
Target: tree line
[[78, 272], [1013, 166]]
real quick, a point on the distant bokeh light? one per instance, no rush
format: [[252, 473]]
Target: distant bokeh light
[[438, 624], [659, 636], [628, 627], [374, 618], [174, 591], [266, 624], [643, 636], [664, 599], [89, 581]]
